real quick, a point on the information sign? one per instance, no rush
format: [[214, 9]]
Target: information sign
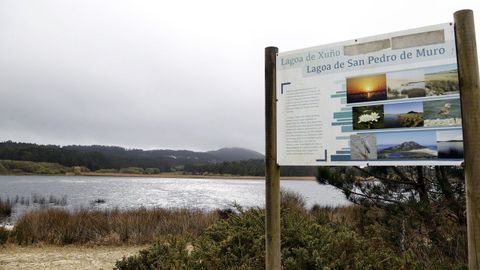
[[391, 99]]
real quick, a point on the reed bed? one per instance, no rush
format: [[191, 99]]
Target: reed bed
[[90, 226], [6, 208]]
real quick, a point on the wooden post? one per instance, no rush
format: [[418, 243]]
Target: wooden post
[[272, 170], [470, 98]]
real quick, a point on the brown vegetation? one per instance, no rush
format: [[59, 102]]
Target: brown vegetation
[[5, 208], [411, 119], [84, 226]]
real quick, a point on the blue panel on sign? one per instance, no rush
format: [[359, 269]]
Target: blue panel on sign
[[337, 115], [347, 128], [340, 158]]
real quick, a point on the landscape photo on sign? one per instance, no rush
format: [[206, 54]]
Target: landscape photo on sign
[[402, 115], [407, 145], [366, 88], [406, 84], [442, 80]]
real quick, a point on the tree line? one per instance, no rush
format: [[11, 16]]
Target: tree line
[[118, 159]]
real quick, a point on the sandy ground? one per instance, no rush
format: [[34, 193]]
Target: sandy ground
[[68, 257]]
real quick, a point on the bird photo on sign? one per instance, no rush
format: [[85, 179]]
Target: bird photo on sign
[[440, 113]]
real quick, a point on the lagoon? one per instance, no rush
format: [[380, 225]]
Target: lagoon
[[135, 192]]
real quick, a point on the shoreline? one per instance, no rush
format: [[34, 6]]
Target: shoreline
[[193, 176]]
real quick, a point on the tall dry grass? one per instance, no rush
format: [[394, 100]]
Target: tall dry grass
[[6, 208], [87, 226]]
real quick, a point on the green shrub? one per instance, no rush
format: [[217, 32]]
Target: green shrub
[[239, 243], [29, 167], [3, 170], [152, 170], [133, 170], [171, 253], [107, 171]]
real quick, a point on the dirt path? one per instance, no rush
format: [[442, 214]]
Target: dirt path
[[69, 257]]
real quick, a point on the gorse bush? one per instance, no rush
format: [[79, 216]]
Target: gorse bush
[[351, 237], [309, 241], [239, 243]]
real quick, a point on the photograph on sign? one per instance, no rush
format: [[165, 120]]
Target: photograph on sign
[[392, 99]]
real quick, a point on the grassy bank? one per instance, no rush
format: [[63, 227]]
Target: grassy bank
[[14, 167]]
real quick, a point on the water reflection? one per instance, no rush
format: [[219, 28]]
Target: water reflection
[[134, 192]]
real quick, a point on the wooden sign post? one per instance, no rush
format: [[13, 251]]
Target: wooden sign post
[[272, 239], [470, 99]]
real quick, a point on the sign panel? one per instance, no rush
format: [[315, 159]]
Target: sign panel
[[391, 99]]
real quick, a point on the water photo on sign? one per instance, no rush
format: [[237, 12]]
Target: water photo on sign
[[366, 88], [450, 144], [406, 84]]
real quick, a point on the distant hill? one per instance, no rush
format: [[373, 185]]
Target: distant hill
[[97, 157], [235, 154], [406, 146]]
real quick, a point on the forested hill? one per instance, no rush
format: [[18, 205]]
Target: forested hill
[[97, 157]]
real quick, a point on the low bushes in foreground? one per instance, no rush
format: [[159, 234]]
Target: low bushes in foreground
[[88, 226], [239, 243], [321, 238]]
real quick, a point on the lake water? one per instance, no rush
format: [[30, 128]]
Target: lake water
[[392, 121], [135, 192]]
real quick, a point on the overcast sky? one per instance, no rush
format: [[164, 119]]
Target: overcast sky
[[167, 74]]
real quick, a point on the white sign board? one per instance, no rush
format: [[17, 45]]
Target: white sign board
[[391, 99]]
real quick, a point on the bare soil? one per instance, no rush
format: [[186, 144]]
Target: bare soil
[[67, 257]]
